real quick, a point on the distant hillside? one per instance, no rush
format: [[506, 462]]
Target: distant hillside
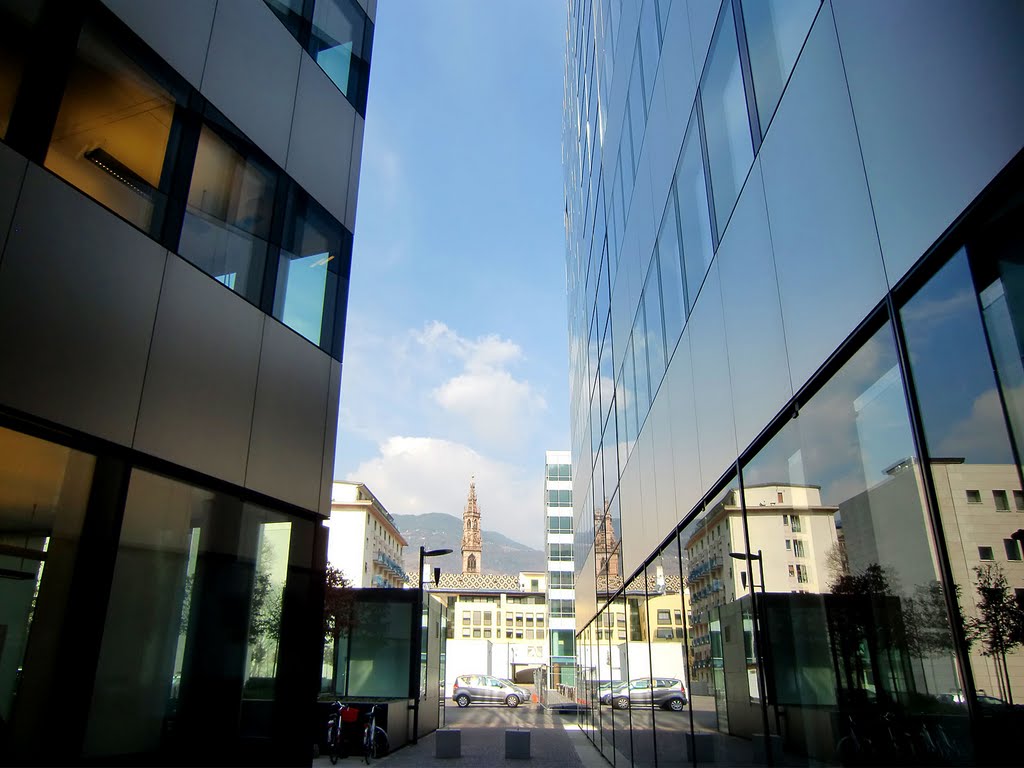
[[437, 530]]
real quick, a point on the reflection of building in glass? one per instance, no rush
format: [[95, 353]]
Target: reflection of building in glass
[[178, 186], [364, 542], [793, 258], [605, 543], [560, 571], [796, 536]]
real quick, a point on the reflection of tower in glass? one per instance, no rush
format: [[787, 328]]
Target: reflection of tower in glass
[[471, 546], [605, 542]]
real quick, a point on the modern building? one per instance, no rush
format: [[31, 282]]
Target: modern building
[[558, 540], [178, 188], [364, 541], [793, 247]]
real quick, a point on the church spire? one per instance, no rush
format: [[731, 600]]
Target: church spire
[[471, 548]]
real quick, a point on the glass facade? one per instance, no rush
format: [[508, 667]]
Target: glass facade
[[808, 553]]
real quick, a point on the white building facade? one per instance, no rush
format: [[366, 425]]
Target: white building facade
[[561, 594], [364, 541]]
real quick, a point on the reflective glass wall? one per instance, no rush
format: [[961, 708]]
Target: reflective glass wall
[[820, 439]]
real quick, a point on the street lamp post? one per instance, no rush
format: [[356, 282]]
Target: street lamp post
[[762, 649], [417, 642]]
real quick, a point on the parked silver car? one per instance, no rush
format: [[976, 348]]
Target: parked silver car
[[665, 692], [487, 689]]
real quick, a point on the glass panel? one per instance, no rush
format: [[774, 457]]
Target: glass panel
[[775, 35], [650, 48], [194, 568], [636, 113], [17, 20], [314, 256], [726, 124], [337, 44], [655, 330], [668, 658], [227, 220], [637, 696], [379, 649], [44, 490], [965, 429], [673, 298], [717, 633], [855, 624], [111, 134], [694, 216]]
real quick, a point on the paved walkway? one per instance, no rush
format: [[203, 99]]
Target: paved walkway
[[555, 741]]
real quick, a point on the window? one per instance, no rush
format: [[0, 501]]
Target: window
[[792, 571], [111, 135], [663, 633], [476, 633], [743, 579], [794, 522], [313, 270], [694, 214], [669, 255], [801, 574], [488, 616], [973, 497], [664, 617], [559, 498], [985, 553], [785, 519], [655, 338], [1018, 501], [1002, 504], [798, 548], [559, 524], [1012, 549], [562, 609], [726, 123], [476, 617], [560, 552], [788, 545], [560, 579], [775, 35], [487, 632]]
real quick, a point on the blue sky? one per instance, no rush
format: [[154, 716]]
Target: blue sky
[[455, 351]]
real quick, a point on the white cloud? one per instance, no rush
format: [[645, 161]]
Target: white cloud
[[417, 475], [485, 396]]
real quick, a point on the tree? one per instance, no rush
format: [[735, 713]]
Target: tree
[[999, 622]]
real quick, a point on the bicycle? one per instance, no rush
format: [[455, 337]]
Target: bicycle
[[375, 738], [336, 741]]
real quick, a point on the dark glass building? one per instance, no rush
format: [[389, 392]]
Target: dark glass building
[[794, 259], [178, 187]]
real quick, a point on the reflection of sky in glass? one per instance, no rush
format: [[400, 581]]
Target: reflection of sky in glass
[[304, 285], [952, 370], [337, 62], [849, 433]]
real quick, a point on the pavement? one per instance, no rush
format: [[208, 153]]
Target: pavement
[[555, 739]]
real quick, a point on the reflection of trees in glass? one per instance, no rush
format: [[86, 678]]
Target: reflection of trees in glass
[[852, 624], [338, 602], [265, 615], [999, 623], [926, 623]]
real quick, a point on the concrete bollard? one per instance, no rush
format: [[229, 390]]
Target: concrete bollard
[[517, 744], [447, 743]]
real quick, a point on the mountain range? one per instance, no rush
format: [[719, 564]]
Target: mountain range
[[436, 530]]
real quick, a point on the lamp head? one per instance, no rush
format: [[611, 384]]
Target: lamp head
[[435, 552]]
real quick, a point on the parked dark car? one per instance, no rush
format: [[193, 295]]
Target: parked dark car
[[469, 689], [665, 692]]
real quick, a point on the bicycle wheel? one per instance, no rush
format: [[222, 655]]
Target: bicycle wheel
[[332, 743], [368, 743], [381, 747]]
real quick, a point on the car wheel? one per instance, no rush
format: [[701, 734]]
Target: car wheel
[[676, 705], [512, 700], [462, 700], [622, 702]]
